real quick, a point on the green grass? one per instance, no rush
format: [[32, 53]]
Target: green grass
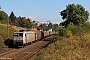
[[4, 32]]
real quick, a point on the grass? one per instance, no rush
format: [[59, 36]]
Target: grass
[[4, 35], [4, 32], [72, 48]]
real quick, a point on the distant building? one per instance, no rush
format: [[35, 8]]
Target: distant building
[[50, 30]]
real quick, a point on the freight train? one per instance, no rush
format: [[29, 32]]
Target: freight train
[[25, 37]]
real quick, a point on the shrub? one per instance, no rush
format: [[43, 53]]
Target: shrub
[[55, 38], [64, 32]]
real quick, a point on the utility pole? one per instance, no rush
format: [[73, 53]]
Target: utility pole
[[8, 27]]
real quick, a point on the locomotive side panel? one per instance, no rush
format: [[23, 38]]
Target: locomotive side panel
[[29, 37]]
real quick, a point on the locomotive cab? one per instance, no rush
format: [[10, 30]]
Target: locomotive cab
[[18, 38]]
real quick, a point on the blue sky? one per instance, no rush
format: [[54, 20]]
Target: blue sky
[[40, 10]]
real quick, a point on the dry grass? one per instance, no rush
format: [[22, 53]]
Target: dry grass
[[73, 48]]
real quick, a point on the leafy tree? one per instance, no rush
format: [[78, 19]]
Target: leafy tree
[[34, 24], [28, 23], [3, 17], [55, 26], [23, 22], [50, 25], [76, 14], [0, 7], [43, 27], [12, 17], [17, 21]]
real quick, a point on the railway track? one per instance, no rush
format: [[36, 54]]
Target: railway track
[[27, 52], [7, 52]]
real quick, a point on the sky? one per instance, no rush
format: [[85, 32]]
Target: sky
[[40, 10]]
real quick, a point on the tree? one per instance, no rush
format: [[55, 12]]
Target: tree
[[34, 24], [17, 21], [0, 7], [12, 17], [43, 27], [28, 23], [3, 17], [55, 27], [23, 22], [50, 25], [76, 14]]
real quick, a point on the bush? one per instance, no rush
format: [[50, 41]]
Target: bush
[[86, 27], [64, 32], [55, 38]]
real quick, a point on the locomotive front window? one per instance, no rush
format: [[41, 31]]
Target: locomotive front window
[[15, 34], [20, 34]]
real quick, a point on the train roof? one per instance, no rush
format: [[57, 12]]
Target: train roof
[[25, 32]]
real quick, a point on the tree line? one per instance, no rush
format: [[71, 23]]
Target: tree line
[[74, 13], [24, 22]]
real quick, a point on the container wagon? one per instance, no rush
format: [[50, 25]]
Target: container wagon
[[46, 33]]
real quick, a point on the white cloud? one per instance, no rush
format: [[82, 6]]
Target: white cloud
[[32, 17], [57, 22]]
